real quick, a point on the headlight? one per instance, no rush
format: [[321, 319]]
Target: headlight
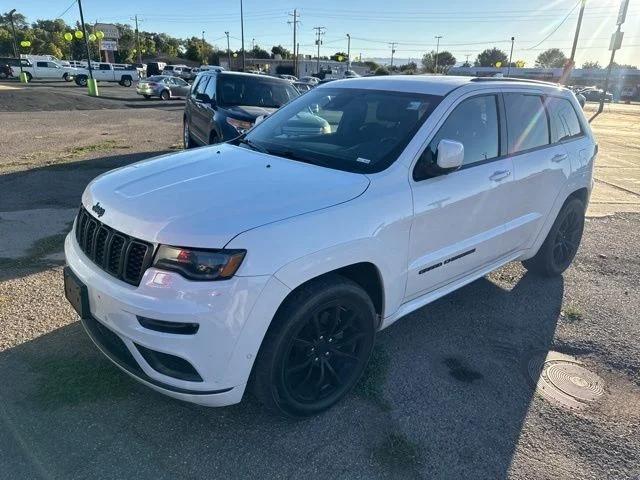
[[239, 125], [199, 264]]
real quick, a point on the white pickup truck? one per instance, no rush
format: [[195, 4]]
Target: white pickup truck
[[106, 72], [45, 70]]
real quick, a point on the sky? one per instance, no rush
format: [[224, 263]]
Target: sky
[[466, 27]]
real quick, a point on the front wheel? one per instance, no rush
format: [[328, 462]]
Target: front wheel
[[66, 77], [165, 95], [126, 82], [186, 135], [316, 348], [81, 80], [562, 242]]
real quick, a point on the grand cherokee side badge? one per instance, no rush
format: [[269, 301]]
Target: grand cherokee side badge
[[98, 209]]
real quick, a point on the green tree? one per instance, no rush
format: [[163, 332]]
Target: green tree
[[551, 58], [445, 61], [280, 50], [409, 67], [336, 57], [381, 71], [589, 64], [256, 52], [491, 56]]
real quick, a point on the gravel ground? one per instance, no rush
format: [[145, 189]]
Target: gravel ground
[[447, 395]]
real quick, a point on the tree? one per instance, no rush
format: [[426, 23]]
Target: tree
[[409, 67], [589, 64], [466, 64], [624, 65], [257, 52], [19, 20], [445, 61], [551, 58], [371, 65], [280, 50], [339, 57], [491, 56], [381, 71]]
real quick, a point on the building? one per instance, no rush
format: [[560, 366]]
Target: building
[[306, 66]]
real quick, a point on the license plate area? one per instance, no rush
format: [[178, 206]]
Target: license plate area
[[76, 293]]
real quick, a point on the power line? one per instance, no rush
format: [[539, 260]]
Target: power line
[[67, 9], [556, 29]]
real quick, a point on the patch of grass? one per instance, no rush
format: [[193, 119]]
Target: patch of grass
[[398, 452], [572, 314], [176, 146], [77, 380], [371, 385], [71, 153], [107, 145]]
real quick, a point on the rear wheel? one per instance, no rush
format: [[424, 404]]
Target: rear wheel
[[316, 348], [126, 81], [186, 135], [66, 77], [165, 95], [147, 96], [562, 242], [81, 80]]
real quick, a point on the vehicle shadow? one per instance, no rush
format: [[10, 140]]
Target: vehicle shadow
[[57, 186], [445, 396]]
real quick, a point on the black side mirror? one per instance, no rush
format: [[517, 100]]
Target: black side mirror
[[202, 97]]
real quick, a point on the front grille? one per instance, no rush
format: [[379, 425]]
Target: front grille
[[120, 255]]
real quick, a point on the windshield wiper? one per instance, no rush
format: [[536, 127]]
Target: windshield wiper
[[252, 145]]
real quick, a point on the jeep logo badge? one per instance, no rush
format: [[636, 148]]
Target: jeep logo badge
[[98, 209]]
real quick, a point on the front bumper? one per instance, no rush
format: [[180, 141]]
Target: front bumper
[[221, 351]]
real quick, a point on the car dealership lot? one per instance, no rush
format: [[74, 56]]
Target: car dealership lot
[[448, 393]]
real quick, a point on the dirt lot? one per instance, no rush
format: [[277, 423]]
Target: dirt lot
[[450, 390]]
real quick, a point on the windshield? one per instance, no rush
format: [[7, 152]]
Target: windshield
[[254, 92], [155, 78], [357, 130]]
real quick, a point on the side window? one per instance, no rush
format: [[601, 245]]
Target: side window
[[474, 123], [564, 121], [199, 87], [211, 88], [527, 121], [104, 66], [42, 64]]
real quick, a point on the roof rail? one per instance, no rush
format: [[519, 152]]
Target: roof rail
[[512, 79]]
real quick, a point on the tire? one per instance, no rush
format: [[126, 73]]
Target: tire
[[81, 80], [29, 77], [186, 135], [165, 95], [562, 242], [147, 96], [213, 138], [126, 81], [66, 77], [316, 348]]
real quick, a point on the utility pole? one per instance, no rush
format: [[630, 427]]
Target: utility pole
[[393, 51], [569, 65], [242, 35], [203, 50], [510, 57], [615, 44], [319, 32], [295, 22], [93, 85], [297, 68], [228, 51], [348, 51], [467, 59], [437, 37], [137, 40]]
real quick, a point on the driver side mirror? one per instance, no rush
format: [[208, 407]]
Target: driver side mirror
[[260, 119], [450, 155], [202, 98]]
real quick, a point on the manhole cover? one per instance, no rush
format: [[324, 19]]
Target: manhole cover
[[563, 380]]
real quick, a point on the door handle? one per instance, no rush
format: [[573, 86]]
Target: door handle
[[559, 157], [499, 175]]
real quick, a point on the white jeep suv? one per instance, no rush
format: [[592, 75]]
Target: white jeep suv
[[273, 260]]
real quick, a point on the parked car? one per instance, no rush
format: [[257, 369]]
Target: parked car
[[47, 70], [310, 80], [5, 71], [302, 87], [223, 105], [350, 74], [106, 72], [272, 262], [628, 93], [181, 71], [155, 68], [291, 78], [595, 94], [163, 86], [215, 68]]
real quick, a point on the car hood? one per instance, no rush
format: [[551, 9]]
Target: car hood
[[206, 196]]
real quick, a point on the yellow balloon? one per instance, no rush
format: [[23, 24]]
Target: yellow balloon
[[92, 37], [498, 64], [68, 37], [340, 58], [79, 34], [100, 34], [25, 43]]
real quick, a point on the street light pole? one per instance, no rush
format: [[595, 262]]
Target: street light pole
[[348, 51], [228, 51], [510, 57], [242, 35], [437, 37]]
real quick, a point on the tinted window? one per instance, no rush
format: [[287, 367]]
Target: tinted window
[[211, 88], [357, 130], [526, 121], [254, 91], [42, 64], [564, 121], [474, 123], [104, 66]]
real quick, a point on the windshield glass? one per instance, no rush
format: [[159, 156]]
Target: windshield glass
[[357, 130], [253, 91]]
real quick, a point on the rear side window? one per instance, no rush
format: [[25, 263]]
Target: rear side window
[[474, 123], [564, 121], [42, 64], [211, 88], [200, 87], [527, 121]]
